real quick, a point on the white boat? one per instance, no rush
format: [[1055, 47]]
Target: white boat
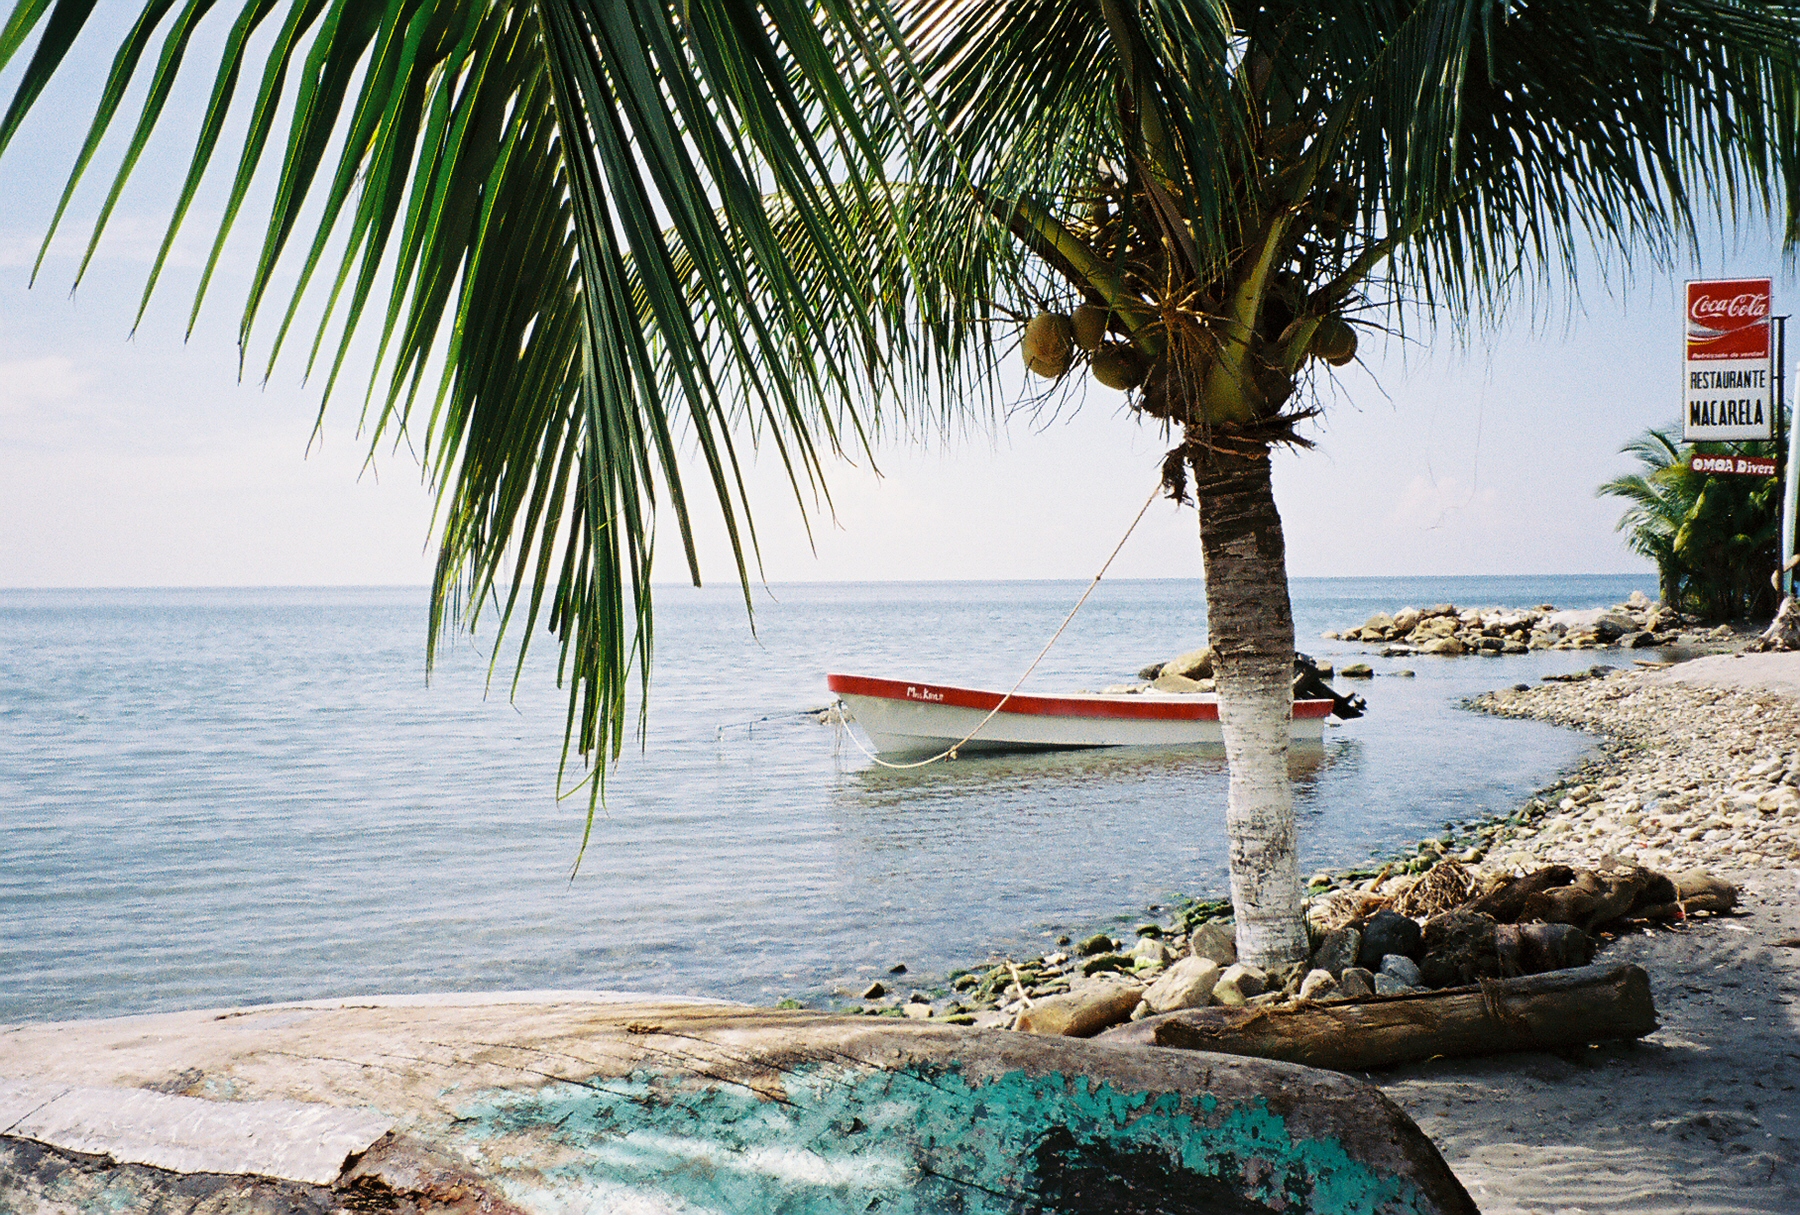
[[904, 718]]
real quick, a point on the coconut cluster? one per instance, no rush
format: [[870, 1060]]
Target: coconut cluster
[[1051, 339]]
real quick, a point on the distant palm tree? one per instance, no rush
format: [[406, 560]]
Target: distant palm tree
[[1713, 537], [607, 219], [1660, 500]]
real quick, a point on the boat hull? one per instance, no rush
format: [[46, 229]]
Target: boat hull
[[904, 718]]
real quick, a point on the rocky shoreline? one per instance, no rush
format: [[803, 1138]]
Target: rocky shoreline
[[1696, 782], [1638, 623]]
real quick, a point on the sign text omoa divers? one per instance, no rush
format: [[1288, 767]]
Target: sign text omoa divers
[[1744, 466]]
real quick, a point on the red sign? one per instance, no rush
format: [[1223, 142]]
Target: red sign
[[1728, 319], [1748, 466]]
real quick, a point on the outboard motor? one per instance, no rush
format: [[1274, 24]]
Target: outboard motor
[[1310, 685]]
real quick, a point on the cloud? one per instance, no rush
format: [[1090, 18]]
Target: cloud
[[32, 383]]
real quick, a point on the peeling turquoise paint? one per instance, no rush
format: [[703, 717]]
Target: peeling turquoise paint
[[913, 1141]]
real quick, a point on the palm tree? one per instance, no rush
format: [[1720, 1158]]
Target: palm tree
[[615, 216], [1221, 197], [1660, 500], [1713, 538]]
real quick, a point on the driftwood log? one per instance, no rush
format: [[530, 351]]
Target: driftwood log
[[1537, 1012]]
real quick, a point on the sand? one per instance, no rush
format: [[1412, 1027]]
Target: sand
[[1701, 1116]]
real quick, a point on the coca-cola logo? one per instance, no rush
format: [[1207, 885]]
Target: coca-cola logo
[[1743, 307]]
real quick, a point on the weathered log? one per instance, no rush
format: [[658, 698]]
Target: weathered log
[[1536, 1012]]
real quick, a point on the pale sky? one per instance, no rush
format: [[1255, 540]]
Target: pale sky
[[144, 462]]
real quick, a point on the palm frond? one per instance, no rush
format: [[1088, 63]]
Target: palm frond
[[581, 233]]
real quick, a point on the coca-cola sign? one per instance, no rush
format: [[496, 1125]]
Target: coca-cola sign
[[1728, 319]]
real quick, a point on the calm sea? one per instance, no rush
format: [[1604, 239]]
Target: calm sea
[[226, 797]]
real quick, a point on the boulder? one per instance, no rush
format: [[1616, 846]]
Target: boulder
[[1401, 967], [1389, 932], [1195, 664], [1444, 645], [1096, 944], [1169, 682], [1356, 983], [1239, 983], [1152, 951], [1381, 625], [1337, 951], [1406, 620], [1460, 948], [1215, 941], [1318, 985], [1187, 984], [1432, 627], [1387, 985], [1357, 670], [1084, 1013]]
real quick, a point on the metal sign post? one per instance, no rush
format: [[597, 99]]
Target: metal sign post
[[1790, 496]]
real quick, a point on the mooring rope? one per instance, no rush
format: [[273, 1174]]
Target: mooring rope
[[950, 752]]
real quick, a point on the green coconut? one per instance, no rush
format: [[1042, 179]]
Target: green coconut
[[1334, 341], [1090, 326], [1049, 343], [1120, 365]]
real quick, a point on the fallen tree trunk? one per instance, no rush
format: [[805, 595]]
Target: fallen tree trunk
[[1537, 1012]]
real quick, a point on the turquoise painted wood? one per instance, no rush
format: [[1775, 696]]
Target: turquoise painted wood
[[918, 1140]]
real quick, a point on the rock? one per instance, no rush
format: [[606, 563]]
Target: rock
[[1401, 967], [1783, 799], [1168, 682], [1406, 619], [1638, 599], [1106, 961], [1195, 664], [1357, 670], [1084, 1013], [1339, 949], [1243, 978], [1151, 671], [1356, 983], [1389, 932], [1098, 943], [874, 992], [918, 997], [918, 1012], [1152, 951], [1318, 985], [1187, 984], [1388, 985], [1449, 646], [1460, 947], [1215, 941], [1403, 673], [898, 968], [1381, 625]]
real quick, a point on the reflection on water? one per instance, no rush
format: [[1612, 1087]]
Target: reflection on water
[[1093, 766], [215, 797]]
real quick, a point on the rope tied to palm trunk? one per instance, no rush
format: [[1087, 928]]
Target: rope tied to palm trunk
[[950, 752]]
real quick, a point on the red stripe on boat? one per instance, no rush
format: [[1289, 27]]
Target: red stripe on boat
[[1131, 708]]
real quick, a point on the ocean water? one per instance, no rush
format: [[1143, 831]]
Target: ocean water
[[226, 797]]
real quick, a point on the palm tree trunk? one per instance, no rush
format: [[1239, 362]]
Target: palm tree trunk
[[1251, 627]]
